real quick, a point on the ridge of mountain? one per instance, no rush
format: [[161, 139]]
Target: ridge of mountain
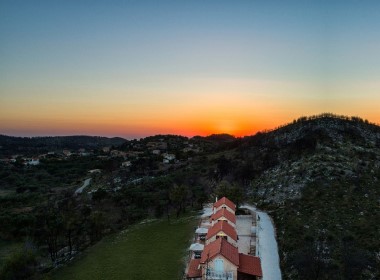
[[320, 149], [12, 144]]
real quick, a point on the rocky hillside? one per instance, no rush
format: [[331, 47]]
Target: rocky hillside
[[319, 179], [322, 148]]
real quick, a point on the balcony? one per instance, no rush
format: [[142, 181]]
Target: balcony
[[219, 275]]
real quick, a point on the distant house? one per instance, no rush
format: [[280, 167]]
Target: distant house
[[224, 203], [134, 154], [157, 145], [66, 152], [222, 230], [93, 171], [152, 144], [51, 155], [156, 152], [117, 153], [168, 157], [187, 149], [82, 152], [126, 164], [106, 149], [33, 161]]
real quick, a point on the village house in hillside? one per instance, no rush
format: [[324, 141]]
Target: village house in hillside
[[32, 161], [126, 164], [95, 171], [117, 153], [157, 145], [156, 152], [168, 157], [216, 256]]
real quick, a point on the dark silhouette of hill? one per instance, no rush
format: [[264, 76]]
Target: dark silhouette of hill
[[32, 145]]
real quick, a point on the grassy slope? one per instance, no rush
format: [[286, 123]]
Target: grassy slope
[[149, 251], [7, 248]]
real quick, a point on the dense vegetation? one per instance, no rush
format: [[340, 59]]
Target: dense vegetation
[[40, 209], [26, 188], [331, 231], [318, 177]]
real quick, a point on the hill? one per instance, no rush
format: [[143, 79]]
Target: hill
[[31, 145], [319, 179], [322, 148]]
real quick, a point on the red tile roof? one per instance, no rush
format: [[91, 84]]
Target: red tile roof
[[224, 213], [222, 226], [250, 265], [221, 247], [226, 201], [194, 272]]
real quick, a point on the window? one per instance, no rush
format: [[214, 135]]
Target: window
[[219, 265]]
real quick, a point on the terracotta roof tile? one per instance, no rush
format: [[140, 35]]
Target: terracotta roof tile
[[222, 226], [194, 270], [250, 265], [226, 201], [224, 213], [221, 247]]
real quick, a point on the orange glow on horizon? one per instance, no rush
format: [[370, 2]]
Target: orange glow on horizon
[[235, 127], [92, 117], [136, 129]]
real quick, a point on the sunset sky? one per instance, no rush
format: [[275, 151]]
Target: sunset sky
[[139, 68]]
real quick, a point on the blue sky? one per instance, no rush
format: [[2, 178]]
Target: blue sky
[[90, 64]]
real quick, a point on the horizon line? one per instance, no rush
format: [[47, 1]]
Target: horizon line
[[301, 118]]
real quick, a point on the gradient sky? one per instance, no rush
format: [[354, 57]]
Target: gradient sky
[[138, 68]]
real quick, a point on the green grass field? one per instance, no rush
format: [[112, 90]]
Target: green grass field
[[7, 248], [154, 250]]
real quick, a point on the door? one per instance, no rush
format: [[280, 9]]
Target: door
[[219, 265]]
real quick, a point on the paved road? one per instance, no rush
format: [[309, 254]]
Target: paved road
[[267, 246], [85, 184]]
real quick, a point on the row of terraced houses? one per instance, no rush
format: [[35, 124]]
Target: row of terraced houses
[[220, 252]]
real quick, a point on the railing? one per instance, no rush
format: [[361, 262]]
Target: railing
[[220, 275]]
